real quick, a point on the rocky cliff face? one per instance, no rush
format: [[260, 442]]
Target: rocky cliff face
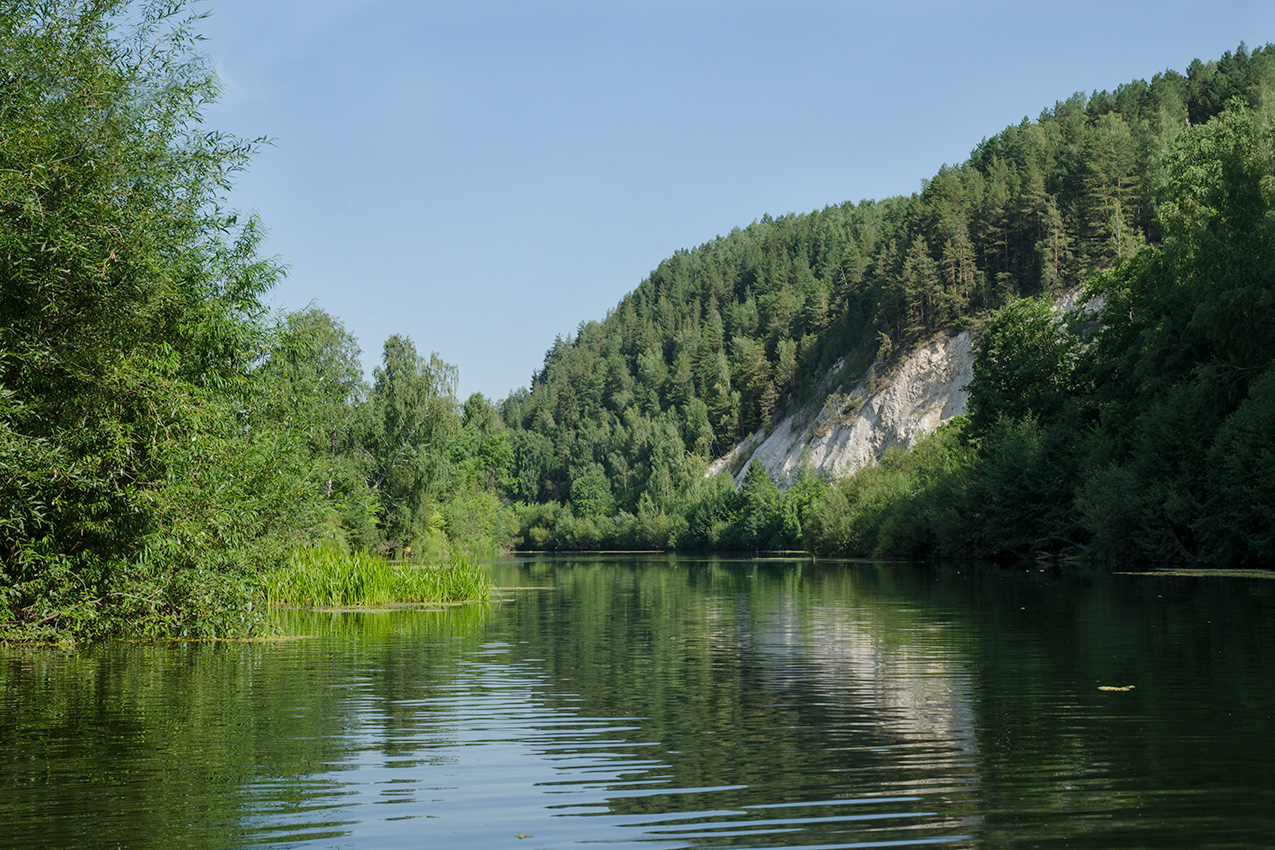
[[890, 406], [894, 404]]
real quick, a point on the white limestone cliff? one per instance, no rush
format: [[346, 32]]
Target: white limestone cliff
[[894, 404], [890, 406]]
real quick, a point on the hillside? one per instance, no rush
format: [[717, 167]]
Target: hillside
[[895, 404], [746, 335]]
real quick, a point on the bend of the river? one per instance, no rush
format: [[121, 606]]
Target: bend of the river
[[674, 702]]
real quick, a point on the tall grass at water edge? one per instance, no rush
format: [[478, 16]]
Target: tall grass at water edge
[[329, 577]]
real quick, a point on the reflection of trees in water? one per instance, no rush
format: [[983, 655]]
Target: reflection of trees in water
[[952, 703], [907, 684], [744, 677], [149, 746], [163, 745]]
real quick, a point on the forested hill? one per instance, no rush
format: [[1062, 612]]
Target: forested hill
[[625, 414]]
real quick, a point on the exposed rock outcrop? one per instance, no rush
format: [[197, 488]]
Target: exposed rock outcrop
[[890, 406], [894, 404]]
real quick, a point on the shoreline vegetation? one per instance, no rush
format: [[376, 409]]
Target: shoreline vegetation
[[172, 455], [325, 577]]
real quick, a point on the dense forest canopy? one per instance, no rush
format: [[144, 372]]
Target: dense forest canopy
[[165, 442]]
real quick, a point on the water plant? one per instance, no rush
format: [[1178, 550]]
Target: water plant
[[327, 576]]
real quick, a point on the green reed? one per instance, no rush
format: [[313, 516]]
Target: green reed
[[328, 577]]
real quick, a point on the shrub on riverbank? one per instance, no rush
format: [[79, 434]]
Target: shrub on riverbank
[[147, 474]]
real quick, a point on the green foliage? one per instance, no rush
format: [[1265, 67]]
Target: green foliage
[[591, 495], [712, 507], [759, 520], [317, 386], [1023, 486], [161, 444], [1147, 437], [1181, 358], [1236, 522], [412, 418], [1024, 366], [148, 473], [536, 522], [913, 504], [476, 520], [325, 576]]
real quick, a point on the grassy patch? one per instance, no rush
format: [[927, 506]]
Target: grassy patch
[[331, 578], [1202, 573]]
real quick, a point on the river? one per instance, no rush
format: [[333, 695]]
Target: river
[[674, 702]]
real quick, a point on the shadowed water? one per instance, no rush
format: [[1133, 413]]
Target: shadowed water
[[674, 703]]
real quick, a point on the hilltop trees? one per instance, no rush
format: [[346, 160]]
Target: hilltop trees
[[1184, 359]]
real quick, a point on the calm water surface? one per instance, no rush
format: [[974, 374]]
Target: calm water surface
[[674, 703]]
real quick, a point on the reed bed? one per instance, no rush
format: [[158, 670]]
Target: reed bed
[[325, 577]]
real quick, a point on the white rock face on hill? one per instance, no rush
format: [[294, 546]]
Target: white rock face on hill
[[916, 395]]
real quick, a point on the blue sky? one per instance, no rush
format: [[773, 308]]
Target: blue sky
[[484, 175]]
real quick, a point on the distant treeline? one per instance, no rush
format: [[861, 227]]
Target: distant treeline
[[165, 442]]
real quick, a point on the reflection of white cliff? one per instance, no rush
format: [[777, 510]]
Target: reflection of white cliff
[[917, 691]]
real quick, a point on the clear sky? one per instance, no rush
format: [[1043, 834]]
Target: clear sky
[[482, 175]]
